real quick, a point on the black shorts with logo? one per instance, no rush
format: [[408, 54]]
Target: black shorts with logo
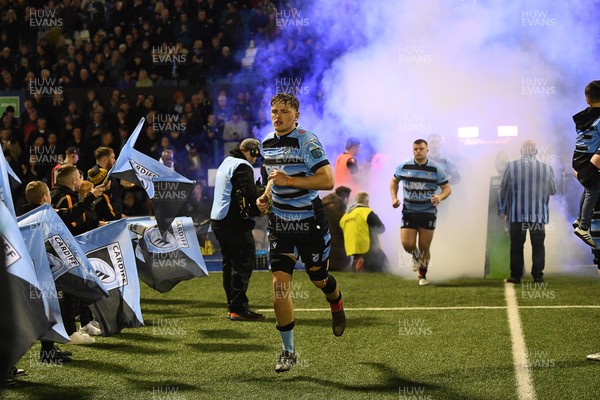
[[412, 220], [307, 239]]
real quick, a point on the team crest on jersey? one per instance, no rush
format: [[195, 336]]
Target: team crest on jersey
[[301, 131], [316, 152]]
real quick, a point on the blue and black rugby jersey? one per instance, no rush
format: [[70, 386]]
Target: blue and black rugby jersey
[[420, 182], [299, 153]]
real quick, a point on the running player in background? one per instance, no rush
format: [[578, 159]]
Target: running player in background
[[421, 178]]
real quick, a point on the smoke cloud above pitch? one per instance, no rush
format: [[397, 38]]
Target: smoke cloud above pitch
[[390, 72]]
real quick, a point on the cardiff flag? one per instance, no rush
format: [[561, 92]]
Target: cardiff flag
[[71, 270], [27, 308], [5, 188], [167, 189], [166, 258], [110, 252], [34, 240]]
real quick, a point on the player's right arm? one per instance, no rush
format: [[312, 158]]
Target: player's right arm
[[394, 186], [265, 199]]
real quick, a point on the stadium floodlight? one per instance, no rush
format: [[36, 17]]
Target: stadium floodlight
[[466, 132], [505, 131]]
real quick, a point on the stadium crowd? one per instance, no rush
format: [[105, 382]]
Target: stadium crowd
[[87, 71]]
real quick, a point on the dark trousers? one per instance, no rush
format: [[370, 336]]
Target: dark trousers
[[239, 258], [537, 234], [70, 308]]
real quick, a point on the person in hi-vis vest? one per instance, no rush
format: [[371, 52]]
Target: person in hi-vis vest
[[361, 227], [234, 205]]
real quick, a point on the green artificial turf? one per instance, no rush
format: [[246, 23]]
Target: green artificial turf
[[190, 350]]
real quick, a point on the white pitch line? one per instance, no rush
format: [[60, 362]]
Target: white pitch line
[[433, 308], [525, 388]]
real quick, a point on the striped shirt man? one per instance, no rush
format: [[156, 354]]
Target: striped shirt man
[[525, 190]]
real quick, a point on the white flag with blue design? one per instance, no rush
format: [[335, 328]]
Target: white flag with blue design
[[110, 252], [26, 308], [34, 240], [166, 258], [167, 189], [70, 268]]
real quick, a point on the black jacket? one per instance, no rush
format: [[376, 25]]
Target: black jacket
[[72, 211]]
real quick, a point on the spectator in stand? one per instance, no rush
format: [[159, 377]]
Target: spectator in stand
[[192, 164], [212, 142], [200, 64], [40, 131], [71, 157], [182, 31], [127, 82], [226, 65], [234, 131], [202, 104], [132, 206], [199, 204], [232, 25], [143, 80], [203, 29], [167, 158], [95, 128], [148, 144], [114, 67], [222, 112]]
